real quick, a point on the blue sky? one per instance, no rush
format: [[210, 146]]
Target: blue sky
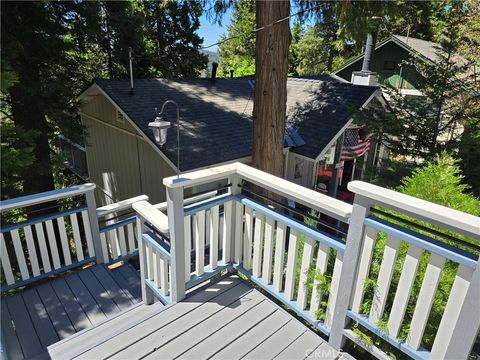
[[211, 32]]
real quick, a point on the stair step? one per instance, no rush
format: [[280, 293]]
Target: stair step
[[84, 340]]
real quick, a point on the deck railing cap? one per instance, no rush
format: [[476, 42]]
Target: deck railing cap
[[29, 200], [441, 215], [326, 204]]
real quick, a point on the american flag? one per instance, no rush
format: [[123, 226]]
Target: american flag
[[353, 145]]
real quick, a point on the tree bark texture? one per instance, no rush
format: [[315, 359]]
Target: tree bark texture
[[271, 67]]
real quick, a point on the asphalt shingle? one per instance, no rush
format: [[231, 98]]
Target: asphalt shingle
[[216, 124]]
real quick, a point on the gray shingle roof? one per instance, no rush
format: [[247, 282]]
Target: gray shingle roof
[[216, 123]]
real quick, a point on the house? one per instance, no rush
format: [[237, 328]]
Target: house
[[216, 128], [387, 63]]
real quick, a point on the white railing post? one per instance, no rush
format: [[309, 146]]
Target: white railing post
[[147, 294], [94, 227], [175, 213], [234, 190], [356, 228]]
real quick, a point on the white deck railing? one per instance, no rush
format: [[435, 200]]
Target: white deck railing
[[315, 272], [64, 230]]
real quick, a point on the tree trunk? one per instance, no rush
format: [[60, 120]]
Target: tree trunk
[[271, 67]]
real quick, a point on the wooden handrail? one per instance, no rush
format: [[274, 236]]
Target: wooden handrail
[[439, 215], [46, 196]]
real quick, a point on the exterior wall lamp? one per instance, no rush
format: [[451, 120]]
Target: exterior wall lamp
[[160, 127]]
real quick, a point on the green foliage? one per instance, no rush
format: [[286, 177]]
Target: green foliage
[[469, 153], [440, 181], [238, 53]]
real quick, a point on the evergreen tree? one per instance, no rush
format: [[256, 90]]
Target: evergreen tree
[[237, 47], [421, 127], [173, 44]]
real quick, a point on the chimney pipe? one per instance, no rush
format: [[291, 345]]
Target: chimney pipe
[[369, 51], [130, 59], [231, 73], [214, 71]]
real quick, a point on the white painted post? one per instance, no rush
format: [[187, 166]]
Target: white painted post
[[236, 228], [147, 294], [94, 228], [176, 226], [361, 209]]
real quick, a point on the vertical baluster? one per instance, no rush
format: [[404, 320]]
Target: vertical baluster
[[461, 319], [150, 260], [112, 239], [321, 268], [188, 246], [307, 257], [248, 239], [214, 215], [164, 276], [64, 240], [384, 279], [268, 251], [363, 267], [88, 234], [104, 244], [291, 265], [18, 246], [147, 295], [7, 267], [425, 300], [122, 242], [32, 252], [131, 238], [52, 240], [279, 251], [157, 270], [258, 244], [227, 232], [199, 225], [76, 237], [405, 284], [43, 247], [332, 298], [238, 231]]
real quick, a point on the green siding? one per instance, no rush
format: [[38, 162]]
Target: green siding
[[388, 52]]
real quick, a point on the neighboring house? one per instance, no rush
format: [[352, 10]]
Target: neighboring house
[[216, 127], [387, 63]]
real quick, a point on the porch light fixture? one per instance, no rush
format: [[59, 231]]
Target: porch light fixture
[[160, 127]]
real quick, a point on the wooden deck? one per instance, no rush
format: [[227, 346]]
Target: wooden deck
[[226, 320], [54, 310]]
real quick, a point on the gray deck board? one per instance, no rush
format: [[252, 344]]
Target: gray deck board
[[14, 351], [133, 292], [117, 295], [132, 280], [133, 335], [277, 342], [202, 330], [98, 292], [226, 320], [40, 319], [302, 346], [55, 310], [173, 330], [26, 334], [57, 314], [229, 331], [251, 339], [70, 303]]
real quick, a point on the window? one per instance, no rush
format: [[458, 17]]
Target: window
[[120, 117], [389, 65]]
